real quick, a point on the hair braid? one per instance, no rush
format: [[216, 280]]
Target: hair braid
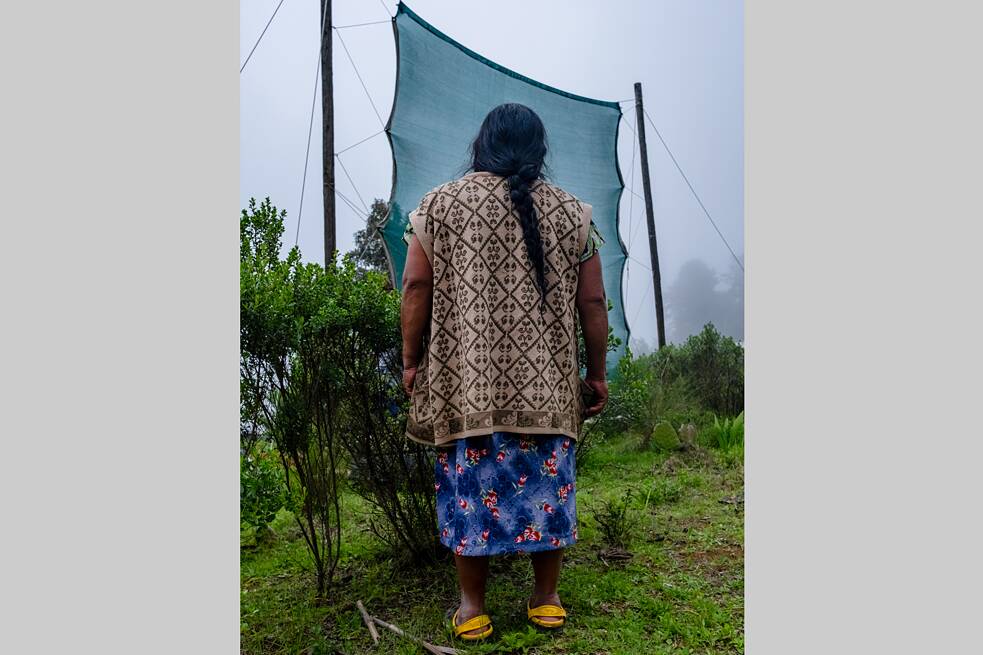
[[512, 143], [521, 196]]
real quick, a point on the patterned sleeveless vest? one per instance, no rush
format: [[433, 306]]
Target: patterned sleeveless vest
[[493, 362]]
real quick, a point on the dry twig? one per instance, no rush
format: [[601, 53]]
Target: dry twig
[[368, 621], [436, 650]]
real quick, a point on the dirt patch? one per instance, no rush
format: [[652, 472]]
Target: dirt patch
[[714, 564], [730, 551]]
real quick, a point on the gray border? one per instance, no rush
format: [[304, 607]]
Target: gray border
[[121, 177], [863, 140]]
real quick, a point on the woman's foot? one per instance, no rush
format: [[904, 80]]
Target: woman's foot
[[465, 613], [546, 599]]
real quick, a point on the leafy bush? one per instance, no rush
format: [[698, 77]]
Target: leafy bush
[[392, 472], [597, 428], [628, 407], [641, 398], [617, 520], [287, 324], [665, 438], [664, 490], [261, 487], [727, 434], [711, 367], [320, 362]]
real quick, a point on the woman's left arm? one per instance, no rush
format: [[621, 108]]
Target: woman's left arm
[[417, 303]]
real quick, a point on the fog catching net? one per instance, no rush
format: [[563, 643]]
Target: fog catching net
[[443, 92]]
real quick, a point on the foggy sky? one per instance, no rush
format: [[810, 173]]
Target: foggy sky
[[687, 55]]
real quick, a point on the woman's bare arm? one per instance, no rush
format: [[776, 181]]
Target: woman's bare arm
[[415, 309], [592, 307]]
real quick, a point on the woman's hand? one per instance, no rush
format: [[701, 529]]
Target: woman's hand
[[600, 389], [409, 376]]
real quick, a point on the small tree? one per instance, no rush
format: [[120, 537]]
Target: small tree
[[391, 472], [320, 353], [369, 253], [286, 320], [712, 366], [387, 469], [260, 234]]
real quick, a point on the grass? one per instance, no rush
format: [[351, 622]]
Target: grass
[[682, 592]]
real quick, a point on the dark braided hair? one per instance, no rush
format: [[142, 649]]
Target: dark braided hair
[[512, 143]]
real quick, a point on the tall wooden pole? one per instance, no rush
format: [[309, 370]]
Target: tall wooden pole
[[649, 213], [327, 133]]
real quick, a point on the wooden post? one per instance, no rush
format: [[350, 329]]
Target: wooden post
[[327, 133], [649, 214]]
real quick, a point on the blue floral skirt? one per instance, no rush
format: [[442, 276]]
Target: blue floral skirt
[[505, 493]]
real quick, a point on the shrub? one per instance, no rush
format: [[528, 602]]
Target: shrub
[[712, 368], [727, 434], [597, 428], [261, 487], [617, 520], [678, 384], [627, 408], [320, 361], [392, 472], [287, 324], [664, 490], [665, 438]]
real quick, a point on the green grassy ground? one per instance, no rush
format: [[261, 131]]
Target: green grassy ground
[[682, 592]]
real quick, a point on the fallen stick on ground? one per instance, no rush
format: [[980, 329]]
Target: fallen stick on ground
[[436, 650], [368, 621]]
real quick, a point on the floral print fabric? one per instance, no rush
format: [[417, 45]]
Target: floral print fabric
[[505, 493]]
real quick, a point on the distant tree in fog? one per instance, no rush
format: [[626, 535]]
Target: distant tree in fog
[[699, 295], [368, 253], [640, 346], [732, 321]]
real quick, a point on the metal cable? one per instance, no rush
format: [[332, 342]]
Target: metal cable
[[241, 68], [374, 22], [352, 182], [310, 128], [631, 204], [359, 75], [695, 194], [358, 143], [641, 304]]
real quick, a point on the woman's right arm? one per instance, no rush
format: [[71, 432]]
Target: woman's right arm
[[592, 306], [415, 308]]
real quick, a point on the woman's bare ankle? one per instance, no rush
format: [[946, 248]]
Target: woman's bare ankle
[[544, 598]]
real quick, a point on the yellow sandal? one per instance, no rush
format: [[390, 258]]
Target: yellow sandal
[[479, 621], [546, 610]]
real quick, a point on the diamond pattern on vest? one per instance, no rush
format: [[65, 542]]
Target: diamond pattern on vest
[[493, 362]]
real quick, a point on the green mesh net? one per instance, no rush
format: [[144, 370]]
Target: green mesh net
[[444, 91]]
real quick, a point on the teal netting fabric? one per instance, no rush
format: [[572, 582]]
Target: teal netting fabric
[[444, 90]]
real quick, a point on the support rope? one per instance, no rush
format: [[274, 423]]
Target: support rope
[[631, 204], [640, 263], [695, 194], [352, 182], [359, 76], [642, 304], [358, 143], [307, 153], [374, 22], [310, 128], [241, 68]]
